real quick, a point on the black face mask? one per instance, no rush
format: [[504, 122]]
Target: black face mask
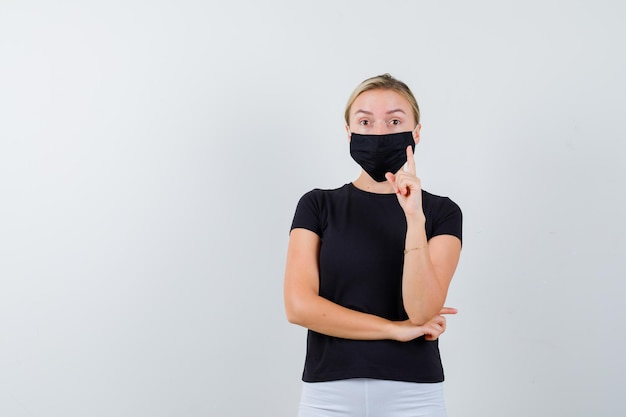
[[379, 154]]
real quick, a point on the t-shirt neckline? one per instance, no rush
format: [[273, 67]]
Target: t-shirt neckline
[[369, 193]]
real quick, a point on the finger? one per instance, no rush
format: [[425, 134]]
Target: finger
[[448, 310], [438, 321], [398, 183], [402, 184], [392, 180], [410, 160], [432, 332]]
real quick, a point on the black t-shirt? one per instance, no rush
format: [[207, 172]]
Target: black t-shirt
[[361, 259]]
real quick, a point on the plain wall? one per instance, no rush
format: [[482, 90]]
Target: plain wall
[[152, 154]]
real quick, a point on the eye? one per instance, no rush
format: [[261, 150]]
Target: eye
[[394, 122], [364, 122]]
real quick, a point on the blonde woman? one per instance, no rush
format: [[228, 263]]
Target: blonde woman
[[368, 270]]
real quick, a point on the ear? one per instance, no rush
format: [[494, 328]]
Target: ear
[[349, 133], [416, 133]]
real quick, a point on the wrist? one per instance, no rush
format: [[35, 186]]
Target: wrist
[[416, 220], [393, 331]]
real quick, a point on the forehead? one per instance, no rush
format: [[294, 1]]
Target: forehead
[[380, 100]]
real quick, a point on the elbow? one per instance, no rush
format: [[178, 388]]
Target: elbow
[[418, 319], [294, 312], [292, 316], [421, 311], [299, 305], [421, 316]]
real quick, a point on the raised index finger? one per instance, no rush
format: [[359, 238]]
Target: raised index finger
[[410, 160]]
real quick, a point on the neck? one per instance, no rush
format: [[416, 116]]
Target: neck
[[366, 183]]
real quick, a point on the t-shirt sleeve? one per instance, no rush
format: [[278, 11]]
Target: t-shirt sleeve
[[309, 213], [449, 219]]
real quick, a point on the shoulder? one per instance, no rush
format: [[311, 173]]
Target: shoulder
[[313, 208], [439, 203], [443, 216], [319, 195], [318, 199]]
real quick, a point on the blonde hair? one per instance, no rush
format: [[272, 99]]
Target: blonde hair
[[385, 82]]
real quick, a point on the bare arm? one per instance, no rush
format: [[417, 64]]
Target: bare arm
[[428, 266], [305, 307], [427, 272]]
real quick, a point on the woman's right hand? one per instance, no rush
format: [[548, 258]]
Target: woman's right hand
[[405, 331]]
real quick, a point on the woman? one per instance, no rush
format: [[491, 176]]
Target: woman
[[368, 270]]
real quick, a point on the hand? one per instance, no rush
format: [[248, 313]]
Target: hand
[[406, 331], [407, 186], [437, 325]]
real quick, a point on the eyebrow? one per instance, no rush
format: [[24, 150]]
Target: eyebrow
[[389, 112]]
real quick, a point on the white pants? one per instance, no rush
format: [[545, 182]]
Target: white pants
[[363, 397]]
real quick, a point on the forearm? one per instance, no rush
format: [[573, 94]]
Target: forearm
[[323, 316], [422, 292]]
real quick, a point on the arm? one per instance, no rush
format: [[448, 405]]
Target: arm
[[428, 266], [427, 272], [306, 308]]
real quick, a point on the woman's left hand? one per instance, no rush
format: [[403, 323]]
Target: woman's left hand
[[407, 186]]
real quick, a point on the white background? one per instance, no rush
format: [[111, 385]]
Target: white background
[[152, 154]]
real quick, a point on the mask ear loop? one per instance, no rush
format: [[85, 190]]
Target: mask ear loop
[[413, 132]]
